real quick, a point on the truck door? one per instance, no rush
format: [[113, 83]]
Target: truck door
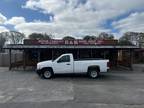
[[63, 65]]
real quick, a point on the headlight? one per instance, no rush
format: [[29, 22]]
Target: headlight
[[38, 66]]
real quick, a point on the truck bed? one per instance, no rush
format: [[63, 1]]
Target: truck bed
[[82, 65]]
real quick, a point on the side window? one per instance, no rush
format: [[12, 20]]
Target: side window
[[64, 59]]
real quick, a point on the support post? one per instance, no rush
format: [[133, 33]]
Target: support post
[[52, 54], [10, 64], [24, 60], [39, 56], [104, 55], [78, 54], [116, 58], [131, 60], [91, 53]]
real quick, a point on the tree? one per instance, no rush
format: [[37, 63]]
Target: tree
[[87, 37], [125, 42], [141, 40], [2, 41], [104, 35], [68, 38], [132, 38], [14, 37], [39, 36]]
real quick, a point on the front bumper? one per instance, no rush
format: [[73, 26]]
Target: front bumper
[[38, 72]]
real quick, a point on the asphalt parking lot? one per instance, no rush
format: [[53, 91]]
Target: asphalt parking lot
[[116, 89]]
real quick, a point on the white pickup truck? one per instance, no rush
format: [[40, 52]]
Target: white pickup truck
[[66, 64]]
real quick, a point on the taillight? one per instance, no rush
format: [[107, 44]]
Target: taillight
[[108, 64]]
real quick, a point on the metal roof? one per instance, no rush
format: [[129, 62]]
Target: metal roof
[[22, 46]]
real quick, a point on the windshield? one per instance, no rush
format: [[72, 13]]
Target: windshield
[[54, 58]]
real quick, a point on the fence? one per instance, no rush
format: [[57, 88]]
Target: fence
[[4, 58]]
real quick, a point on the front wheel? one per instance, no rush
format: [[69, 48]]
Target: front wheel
[[93, 73], [47, 74]]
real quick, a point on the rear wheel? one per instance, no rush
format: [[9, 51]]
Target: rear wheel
[[47, 73], [93, 73]]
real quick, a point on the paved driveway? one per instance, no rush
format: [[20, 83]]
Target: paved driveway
[[116, 89]]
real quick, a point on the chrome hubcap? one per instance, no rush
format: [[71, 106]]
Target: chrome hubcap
[[93, 74], [47, 74]]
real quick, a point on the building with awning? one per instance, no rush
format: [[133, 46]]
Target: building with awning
[[35, 51]]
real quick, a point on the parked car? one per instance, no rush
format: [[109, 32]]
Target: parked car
[[66, 64]]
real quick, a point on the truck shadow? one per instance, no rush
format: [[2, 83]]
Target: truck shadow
[[101, 78]]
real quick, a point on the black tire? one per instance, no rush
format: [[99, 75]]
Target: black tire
[[47, 73], [93, 73]]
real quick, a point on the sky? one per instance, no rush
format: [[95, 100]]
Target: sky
[[72, 17]]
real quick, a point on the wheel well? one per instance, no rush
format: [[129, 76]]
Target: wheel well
[[93, 67], [47, 68]]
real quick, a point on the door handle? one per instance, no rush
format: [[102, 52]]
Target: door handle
[[68, 64]]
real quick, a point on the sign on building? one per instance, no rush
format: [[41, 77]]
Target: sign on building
[[70, 42]]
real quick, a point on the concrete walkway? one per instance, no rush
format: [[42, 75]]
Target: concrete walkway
[[138, 67]]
